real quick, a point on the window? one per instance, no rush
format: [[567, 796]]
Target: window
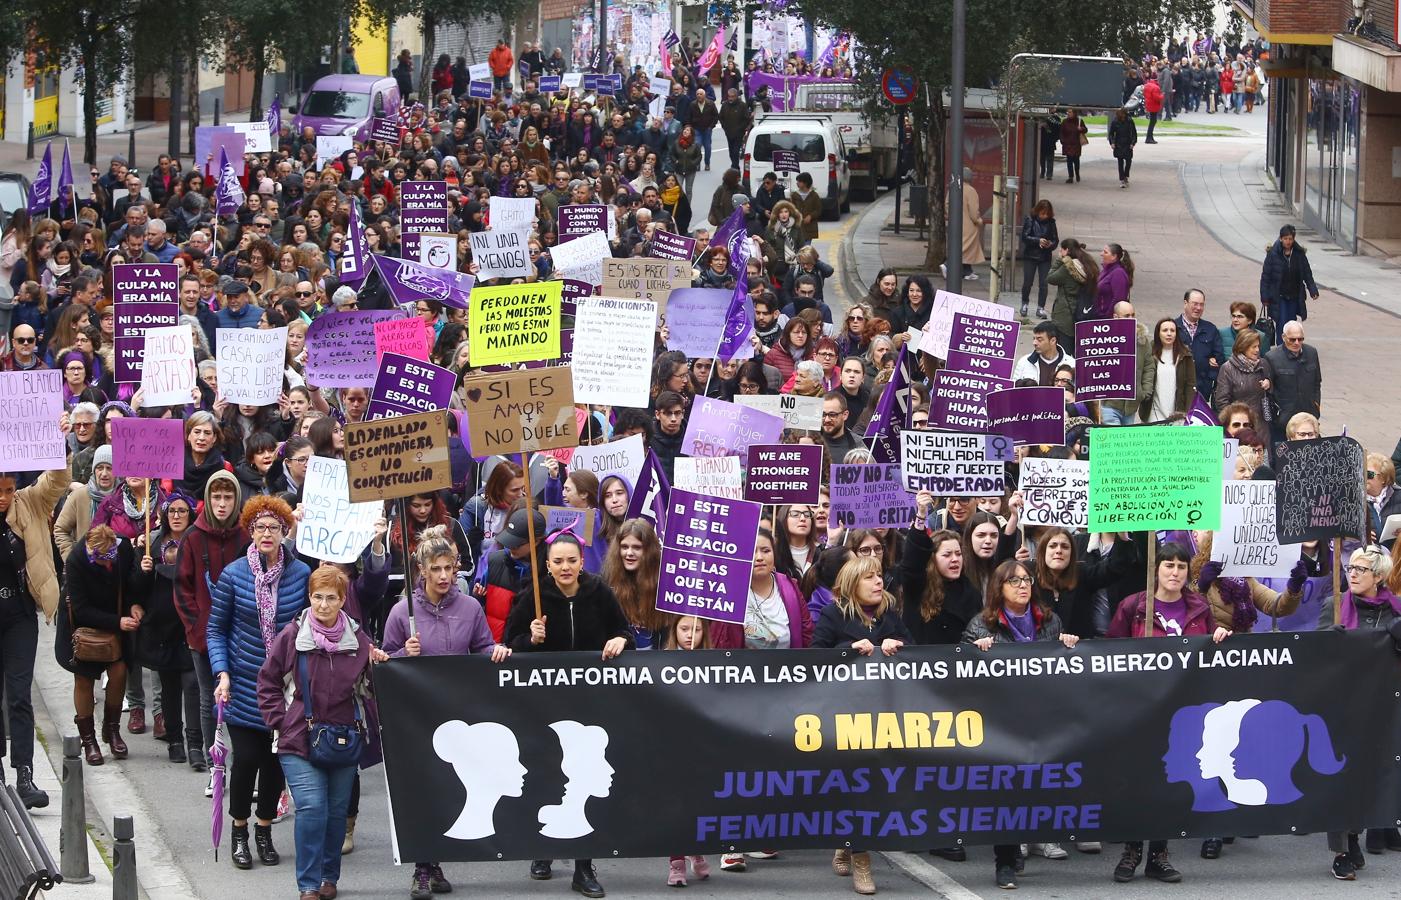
[[379, 104], [336, 105], [809, 146]]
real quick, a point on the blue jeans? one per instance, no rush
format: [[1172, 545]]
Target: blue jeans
[[1111, 416], [500, 82], [1283, 310], [703, 134], [322, 796]]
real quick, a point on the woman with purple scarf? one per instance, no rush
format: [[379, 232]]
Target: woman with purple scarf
[[254, 599]]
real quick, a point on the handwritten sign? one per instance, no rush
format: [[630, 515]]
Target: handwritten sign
[[1247, 542], [332, 528], [783, 473], [340, 347], [624, 457], [613, 351], [1105, 364], [397, 457], [578, 522], [406, 337], [251, 363], [31, 404], [697, 320], [423, 206], [934, 339], [1056, 492], [148, 448], [520, 412], [718, 428], [582, 259], [639, 278], [801, 413], [514, 323], [1321, 491], [507, 213], [949, 465], [1149, 478], [713, 476], [144, 295], [329, 148], [870, 496], [437, 251], [168, 366], [501, 253]]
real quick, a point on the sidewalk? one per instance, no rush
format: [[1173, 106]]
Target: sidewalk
[[152, 139]]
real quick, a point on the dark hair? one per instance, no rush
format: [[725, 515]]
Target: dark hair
[[1122, 255], [753, 369], [824, 569], [258, 442], [1045, 326], [662, 368], [322, 438], [1177, 346], [1173, 551], [1045, 577], [992, 600], [1041, 206], [630, 419], [667, 399], [924, 285]]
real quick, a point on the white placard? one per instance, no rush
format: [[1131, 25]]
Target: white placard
[[329, 147], [1056, 492], [613, 350], [935, 338], [511, 212], [168, 366], [333, 528], [623, 457], [571, 79], [479, 72], [31, 404], [582, 258], [949, 465], [1230, 449], [438, 251], [501, 253], [1247, 543], [256, 135], [714, 476], [251, 363], [802, 413]]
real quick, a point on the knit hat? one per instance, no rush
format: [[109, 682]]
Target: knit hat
[[102, 456], [740, 199]]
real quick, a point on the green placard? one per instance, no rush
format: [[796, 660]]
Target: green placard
[[1155, 477]]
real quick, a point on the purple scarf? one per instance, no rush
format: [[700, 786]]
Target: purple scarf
[[1236, 594], [1348, 614], [328, 637], [265, 593]]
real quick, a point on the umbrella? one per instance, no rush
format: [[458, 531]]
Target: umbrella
[[218, 754]]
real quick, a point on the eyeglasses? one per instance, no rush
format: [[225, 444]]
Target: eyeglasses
[[306, 294], [1019, 581], [299, 459], [800, 513], [84, 424], [177, 512], [830, 415], [28, 340], [1064, 382], [876, 550], [1358, 570], [856, 318], [271, 528], [827, 354], [75, 368], [262, 224], [1305, 435], [1371, 474], [325, 599]]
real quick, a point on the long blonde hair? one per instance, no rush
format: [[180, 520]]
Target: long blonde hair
[[847, 587]]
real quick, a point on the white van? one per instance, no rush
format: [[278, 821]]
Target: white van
[[821, 154]]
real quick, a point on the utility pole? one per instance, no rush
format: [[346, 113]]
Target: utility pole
[[605, 58], [953, 254]]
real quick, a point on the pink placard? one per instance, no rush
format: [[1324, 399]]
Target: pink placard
[[407, 337], [148, 448]]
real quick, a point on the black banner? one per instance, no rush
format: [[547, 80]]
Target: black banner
[[663, 753]]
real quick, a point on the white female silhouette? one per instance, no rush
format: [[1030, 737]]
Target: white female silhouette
[[486, 759], [588, 774], [1220, 737]]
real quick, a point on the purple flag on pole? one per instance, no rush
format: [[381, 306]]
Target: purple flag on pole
[[41, 188], [731, 235], [738, 324], [892, 414], [1199, 413], [353, 264], [651, 494], [273, 118], [228, 194], [409, 282], [65, 180]]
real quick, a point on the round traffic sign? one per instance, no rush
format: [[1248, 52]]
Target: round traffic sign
[[899, 85]]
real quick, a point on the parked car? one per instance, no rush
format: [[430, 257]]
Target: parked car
[[345, 104], [817, 139], [14, 194]]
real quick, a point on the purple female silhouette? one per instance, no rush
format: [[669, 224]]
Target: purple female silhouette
[[1181, 764], [1272, 739]]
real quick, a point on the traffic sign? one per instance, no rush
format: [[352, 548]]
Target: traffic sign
[[899, 85]]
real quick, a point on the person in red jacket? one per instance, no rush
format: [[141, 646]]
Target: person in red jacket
[[501, 60], [1153, 104]]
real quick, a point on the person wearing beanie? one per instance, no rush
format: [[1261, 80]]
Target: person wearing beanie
[[83, 499]]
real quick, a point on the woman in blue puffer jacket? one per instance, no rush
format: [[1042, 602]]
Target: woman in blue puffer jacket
[[255, 598]]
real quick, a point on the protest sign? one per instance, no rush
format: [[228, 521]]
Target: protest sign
[[575, 220], [501, 253], [1230, 449], [1247, 543], [697, 320], [1321, 489], [1056, 492], [329, 148], [479, 72], [613, 351], [710, 476], [801, 413], [168, 366], [999, 448], [983, 336], [590, 82], [31, 404], [974, 364], [406, 385], [514, 323], [571, 79], [256, 136], [573, 291], [718, 428], [783, 473], [406, 337], [785, 161], [959, 400], [566, 352], [578, 522], [934, 338], [582, 258], [340, 347], [423, 206], [520, 412], [707, 556], [645, 279], [207, 151], [479, 90], [949, 465], [1153, 478], [437, 251], [666, 245], [144, 295], [870, 496], [1105, 359], [1029, 415], [409, 282], [507, 213], [624, 457], [397, 457], [148, 448], [549, 84], [251, 363], [384, 130], [332, 528]]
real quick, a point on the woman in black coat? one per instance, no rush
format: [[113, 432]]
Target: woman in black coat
[[862, 614], [938, 599], [1066, 584], [1123, 134]]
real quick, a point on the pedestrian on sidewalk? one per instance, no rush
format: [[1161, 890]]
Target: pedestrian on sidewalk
[[1123, 134], [1296, 379], [1076, 277], [1153, 105], [1073, 138], [973, 228], [1050, 133], [1203, 338], [1283, 277], [1039, 239]]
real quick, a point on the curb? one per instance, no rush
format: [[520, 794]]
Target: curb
[[853, 285]]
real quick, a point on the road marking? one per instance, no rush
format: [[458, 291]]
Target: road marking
[[929, 875]]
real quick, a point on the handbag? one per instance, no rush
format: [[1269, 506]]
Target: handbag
[[93, 645], [329, 746]]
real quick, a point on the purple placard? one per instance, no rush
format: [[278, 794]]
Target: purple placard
[[958, 401], [577, 220], [972, 363], [423, 206], [610, 85], [984, 337], [666, 245], [340, 347], [1106, 359], [870, 496], [573, 290], [709, 578], [590, 81], [148, 448], [721, 428], [384, 130], [786, 161], [144, 296], [784, 473], [566, 352], [479, 90], [696, 320], [549, 84], [1028, 415], [405, 386]]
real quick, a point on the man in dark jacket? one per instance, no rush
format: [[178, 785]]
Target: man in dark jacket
[[734, 121], [1285, 275], [703, 116], [1296, 379], [1203, 339]]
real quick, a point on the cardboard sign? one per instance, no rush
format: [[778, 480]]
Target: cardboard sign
[[697, 320], [251, 363], [959, 400], [507, 213], [148, 448], [329, 148], [332, 528], [1247, 542], [1106, 365], [624, 457], [31, 404], [437, 251], [406, 385], [514, 323], [582, 258], [949, 465], [1029, 415], [144, 296], [340, 347], [870, 496], [718, 428], [707, 556], [801, 413], [784, 473], [982, 336], [397, 457], [666, 245], [520, 412], [384, 130], [406, 337], [613, 351], [168, 366], [1155, 478], [502, 253], [423, 206], [1321, 489], [578, 522], [714, 476], [1056, 492], [786, 161], [934, 339], [639, 278]]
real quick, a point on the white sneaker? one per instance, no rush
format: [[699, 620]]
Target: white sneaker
[[732, 862], [970, 276], [943, 270], [1050, 850], [209, 788], [762, 854]]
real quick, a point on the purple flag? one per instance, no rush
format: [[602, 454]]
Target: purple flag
[[1200, 412], [651, 494], [409, 281], [731, 235], [353, 265], [739, 326], [65, 180], [228, 193], [892, 414], [41, 188], [273, 118]]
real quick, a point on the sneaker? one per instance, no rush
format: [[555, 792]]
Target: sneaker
[[1089, 846], [1211, 848], [1040, 312], [970, 276], [700, 868], [676, 873], [762, 854], [732, 862], [1128, 863], [1006, 878], [437, 881], [420, 887], [209, 788], [1160, 867], [1343, 869], [1123, 184], [1050, 850]]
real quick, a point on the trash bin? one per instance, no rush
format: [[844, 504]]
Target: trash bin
[[919, 202]]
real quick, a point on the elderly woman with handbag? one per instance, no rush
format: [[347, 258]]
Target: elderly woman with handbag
[[313, 690], [95, 633]]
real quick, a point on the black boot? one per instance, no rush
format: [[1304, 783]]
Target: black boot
[[195, 757], [262, 838], [31, 796], [585, 879], [177, 752], [242, 859]]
